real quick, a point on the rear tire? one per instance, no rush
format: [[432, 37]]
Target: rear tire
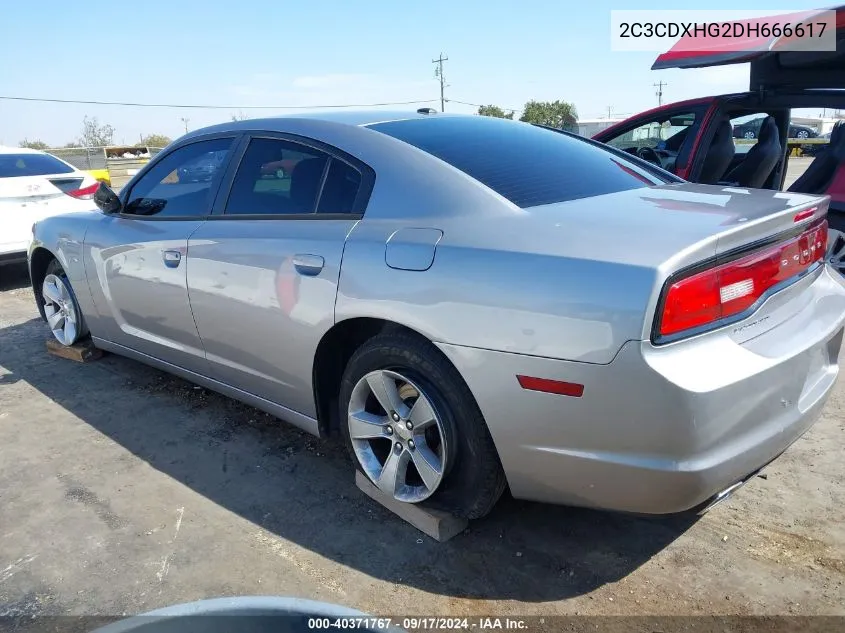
[[59, 307], [470, 478]]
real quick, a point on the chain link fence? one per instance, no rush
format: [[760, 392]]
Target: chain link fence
[[91, 158], [114, 165], [85, 158]]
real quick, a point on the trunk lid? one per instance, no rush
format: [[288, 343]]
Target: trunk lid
[[773, 65], [677, 231], [670, 227], [23, 189], [28, 199]]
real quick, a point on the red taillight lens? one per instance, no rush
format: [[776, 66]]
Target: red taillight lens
[[86, 193], [729, 289]]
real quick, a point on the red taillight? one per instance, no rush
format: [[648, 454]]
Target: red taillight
[[86, 193], [729, 289]]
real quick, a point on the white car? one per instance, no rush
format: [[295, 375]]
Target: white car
[[33, 186]]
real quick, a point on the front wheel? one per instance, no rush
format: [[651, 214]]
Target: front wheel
[[61, 309], [414, 429], [749, 135], [802, 134]]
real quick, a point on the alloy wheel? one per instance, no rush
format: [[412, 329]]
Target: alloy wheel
[[836, 250], [60, 310], [397, 436]]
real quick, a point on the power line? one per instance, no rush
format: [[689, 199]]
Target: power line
[[216, 107], [481, 105]]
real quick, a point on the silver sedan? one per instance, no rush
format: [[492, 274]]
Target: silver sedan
[[472, 303]]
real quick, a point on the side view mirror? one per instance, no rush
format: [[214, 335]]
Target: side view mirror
[[107, 200]]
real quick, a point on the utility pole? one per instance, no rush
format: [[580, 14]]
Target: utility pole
[[609, 112], [659, 92], [438, 72], [185, 121]]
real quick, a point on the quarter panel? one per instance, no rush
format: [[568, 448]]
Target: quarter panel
[[544, 304], [573, 280]]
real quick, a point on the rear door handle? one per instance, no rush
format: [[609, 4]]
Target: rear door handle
[[172, 258], [308, 264]]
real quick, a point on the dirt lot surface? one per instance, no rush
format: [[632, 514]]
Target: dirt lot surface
[[123, 489]]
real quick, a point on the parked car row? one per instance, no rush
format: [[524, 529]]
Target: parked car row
[[751, 130]]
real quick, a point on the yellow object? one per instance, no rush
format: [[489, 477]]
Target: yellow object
[[101, 174]]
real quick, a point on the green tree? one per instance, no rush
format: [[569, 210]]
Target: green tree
[[494, 111], [95, 134], [557, 114], [36, 144], [155, 140]]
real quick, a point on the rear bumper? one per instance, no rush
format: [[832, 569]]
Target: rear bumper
[[661, 429]]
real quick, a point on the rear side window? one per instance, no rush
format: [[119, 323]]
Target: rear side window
[[526, 164], [340, 189], [12, 165], [281, 177]]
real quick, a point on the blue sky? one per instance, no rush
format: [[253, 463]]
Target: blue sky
[[322, 52]]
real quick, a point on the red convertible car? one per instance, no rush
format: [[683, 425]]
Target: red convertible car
[[694, 139]]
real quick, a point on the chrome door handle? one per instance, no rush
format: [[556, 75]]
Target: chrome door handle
[[308, 264], [172, 258]]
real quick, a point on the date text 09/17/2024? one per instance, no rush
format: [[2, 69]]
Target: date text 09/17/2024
[[418, 623]]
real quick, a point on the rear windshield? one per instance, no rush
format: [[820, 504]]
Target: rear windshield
[[12, 165], [526, 164]]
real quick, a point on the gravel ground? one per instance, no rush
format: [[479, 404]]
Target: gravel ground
[[123, 489]]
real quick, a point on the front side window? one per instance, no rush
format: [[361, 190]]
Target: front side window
[[665, 133], [181, 184], [280, 177]]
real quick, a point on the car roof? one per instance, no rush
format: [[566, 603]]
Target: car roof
[[357, 118], [18, 150], [366, 117]]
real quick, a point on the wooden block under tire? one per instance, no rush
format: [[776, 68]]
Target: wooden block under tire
[[441, 526], [81, 352]]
